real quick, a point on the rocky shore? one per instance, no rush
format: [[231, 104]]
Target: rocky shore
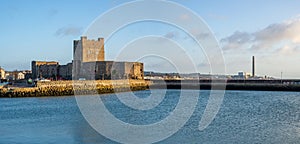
[[69, 88]]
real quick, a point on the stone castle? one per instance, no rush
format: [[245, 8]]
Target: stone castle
[[88, 50], [41, 69], [88, 63]]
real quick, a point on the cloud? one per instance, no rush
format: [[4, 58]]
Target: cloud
[[202, 35], [52, 12], [236, 40], [203, 64], [171, 35], [275, 37], [184, 17], [68, 31], [198, 35], [288, 50], [238, 37]]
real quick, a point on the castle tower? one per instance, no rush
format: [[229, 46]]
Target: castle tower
[[85, 50], [89, 50]]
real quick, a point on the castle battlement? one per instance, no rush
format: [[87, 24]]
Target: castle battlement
[[86, 50]]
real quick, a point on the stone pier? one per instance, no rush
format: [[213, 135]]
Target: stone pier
[[69, 88]]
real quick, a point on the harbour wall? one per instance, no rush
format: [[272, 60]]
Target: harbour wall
[[69, 88], [255, 85]]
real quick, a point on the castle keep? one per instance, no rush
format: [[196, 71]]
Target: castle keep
[[88, 63], [88, 50]]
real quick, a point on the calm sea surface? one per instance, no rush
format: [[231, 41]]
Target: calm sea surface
[[244, 117]]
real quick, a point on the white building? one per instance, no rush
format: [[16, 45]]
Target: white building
[[15, 75], [20, 76], [243, 75], [2, 73]]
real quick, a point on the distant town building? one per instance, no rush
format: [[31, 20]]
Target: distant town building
[[2, 73], [248, 75], [14, 75], [8, 76], [19, 75], [28, 74], [241, 75]]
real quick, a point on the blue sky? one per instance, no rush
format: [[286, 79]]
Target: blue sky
[[44, 30]]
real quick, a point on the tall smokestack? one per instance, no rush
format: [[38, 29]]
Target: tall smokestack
[[253, 66]]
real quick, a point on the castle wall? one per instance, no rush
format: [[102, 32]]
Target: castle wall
[[88, 63], [65, 71], [104, 70], [44, 69]]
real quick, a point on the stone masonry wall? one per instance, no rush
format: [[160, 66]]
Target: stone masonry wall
[[66, 88]]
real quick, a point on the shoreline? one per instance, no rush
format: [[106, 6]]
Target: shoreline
[[72, 88]]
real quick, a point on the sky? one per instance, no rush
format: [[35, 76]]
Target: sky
[[45, 30]]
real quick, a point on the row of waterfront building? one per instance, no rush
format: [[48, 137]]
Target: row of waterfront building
[[14, 75]]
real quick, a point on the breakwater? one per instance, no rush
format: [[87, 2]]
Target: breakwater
[[255, 85], [67, 88]]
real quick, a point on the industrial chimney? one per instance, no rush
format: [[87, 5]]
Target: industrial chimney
[[253, 66]]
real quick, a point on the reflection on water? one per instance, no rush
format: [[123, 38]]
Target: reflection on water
[[244, 117]]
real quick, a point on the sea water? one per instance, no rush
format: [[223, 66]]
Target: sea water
[[244, 117]]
